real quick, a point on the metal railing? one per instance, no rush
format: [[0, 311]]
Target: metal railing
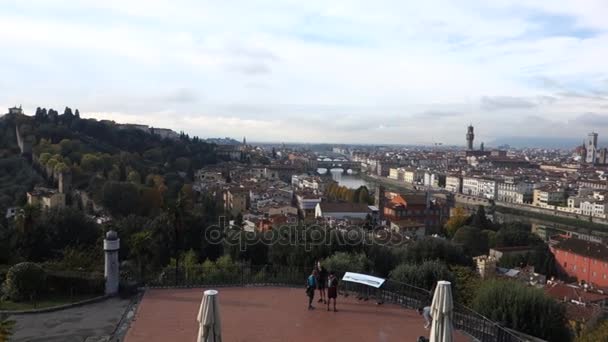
[[411, 297]]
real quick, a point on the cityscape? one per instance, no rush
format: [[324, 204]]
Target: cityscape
[[290, 171]]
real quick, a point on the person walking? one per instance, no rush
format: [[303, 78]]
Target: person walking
[[322, 283], [332, 289], [426, 313], [311, 285]]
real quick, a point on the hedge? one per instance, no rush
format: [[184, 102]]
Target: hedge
[[24, 281], [75, 283]]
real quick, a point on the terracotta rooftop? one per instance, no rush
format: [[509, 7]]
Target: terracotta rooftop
[[273, 314], [589, 249], [561, 291]]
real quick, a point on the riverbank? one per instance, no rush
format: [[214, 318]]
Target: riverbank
[[554, 218], [389, 184]]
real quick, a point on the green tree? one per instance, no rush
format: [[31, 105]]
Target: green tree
[[182, 164], [467, 284], [345, 262], [382, 258], [121, 198], [44, 158], [522, 308], [490, 236], [66, 147], [89, 259], [458, 219], [473, 241], [6, 330], [91, 163], [114, 173], [134, 177], [61, 167], [431, 248], [512, 235], [139, 244], [480, 220], [595, 334], [57, 230], [424, 275], [363, 195], [27, 217]]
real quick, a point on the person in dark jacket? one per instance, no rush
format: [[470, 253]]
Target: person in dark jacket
[[322, 283], [332, 289]]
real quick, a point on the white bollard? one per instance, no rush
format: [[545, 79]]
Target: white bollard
[[111, 245]]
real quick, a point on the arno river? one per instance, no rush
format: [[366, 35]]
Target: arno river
[[352, 181]]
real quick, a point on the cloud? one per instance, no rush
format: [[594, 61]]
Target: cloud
[[546, 99], [368, 72], [257, 85], [182, 95], [591, 120], [251, 69], [253, 53], [437, 114], [492, 103], [581, 95]]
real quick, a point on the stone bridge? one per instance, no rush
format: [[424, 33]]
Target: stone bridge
[[345, 165]]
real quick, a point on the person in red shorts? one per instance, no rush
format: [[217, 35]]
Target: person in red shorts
[[332, 289]]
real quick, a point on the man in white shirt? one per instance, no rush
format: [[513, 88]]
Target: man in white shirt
[[426, 313]]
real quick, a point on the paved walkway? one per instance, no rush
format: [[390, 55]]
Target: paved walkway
[[91, 323], [273, 314]]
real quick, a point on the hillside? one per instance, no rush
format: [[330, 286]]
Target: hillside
[[122, 167]]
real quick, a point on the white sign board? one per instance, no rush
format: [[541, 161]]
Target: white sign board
[[363, 279]]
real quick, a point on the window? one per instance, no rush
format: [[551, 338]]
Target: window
[[565, 264], [594, 274], [574, 267]]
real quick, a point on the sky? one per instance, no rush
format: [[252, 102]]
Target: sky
[[340, 71]]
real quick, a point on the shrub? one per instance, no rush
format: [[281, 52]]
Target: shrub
[[222, 271], [6, 329], [473, 241], [75, 283], [424, 276], [467, 284], [597, 333], [431, 248], [3, 272], [24, 281], [522, 308], [346, 262]]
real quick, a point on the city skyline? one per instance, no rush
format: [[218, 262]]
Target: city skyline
[[345, 72]]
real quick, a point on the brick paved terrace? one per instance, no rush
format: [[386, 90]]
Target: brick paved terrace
[[273, 314]]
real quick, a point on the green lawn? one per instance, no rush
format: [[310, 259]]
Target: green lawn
[[46, 302]]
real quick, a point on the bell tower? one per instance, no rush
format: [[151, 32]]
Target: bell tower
[[470, 137]]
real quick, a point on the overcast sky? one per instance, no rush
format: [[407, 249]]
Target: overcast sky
[[315, 70]]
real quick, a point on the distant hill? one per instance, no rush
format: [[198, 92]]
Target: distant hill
[[540, 142], [223, 141], [143, 168]]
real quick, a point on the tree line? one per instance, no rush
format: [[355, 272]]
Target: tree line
[[335, 192]]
